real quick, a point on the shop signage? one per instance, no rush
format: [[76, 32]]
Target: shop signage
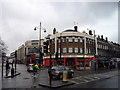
[[72, 56]]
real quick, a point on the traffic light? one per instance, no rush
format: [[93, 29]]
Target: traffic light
[[46, 46]]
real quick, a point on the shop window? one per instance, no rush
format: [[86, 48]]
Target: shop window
[[87, 63], [81, 64]]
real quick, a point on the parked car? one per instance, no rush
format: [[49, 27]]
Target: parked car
[[29, 67], [57, 72]]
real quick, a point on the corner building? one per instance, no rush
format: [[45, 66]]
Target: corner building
[[73, 49], [77, 49]]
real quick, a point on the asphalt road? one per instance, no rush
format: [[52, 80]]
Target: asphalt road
[[112, 82], [25, 80]]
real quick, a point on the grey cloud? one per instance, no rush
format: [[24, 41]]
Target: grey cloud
[[19, 19], [86, 12]]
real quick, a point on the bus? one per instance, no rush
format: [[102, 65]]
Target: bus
[[32, 58]]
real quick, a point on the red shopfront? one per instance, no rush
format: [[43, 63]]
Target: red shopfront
[[73, 61]]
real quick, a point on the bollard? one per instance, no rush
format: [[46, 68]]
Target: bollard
[[65, 76], [12, 71]]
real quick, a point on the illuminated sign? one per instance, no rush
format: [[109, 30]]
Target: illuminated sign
[[71, 56]]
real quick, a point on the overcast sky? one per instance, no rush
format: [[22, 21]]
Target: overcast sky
[[21, 16]]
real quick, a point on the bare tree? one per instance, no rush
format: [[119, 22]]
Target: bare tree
[[3, 47]]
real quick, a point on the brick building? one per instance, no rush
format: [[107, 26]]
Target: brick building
[[79, 49]]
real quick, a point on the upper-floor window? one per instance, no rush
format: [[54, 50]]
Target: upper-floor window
[[70, 40], [81, 40], [76, 50], [81, 50], [58, 40], [101, 46], [34, 43], [64, 39], [76, 39], [64, 50], [34, 40], [58, 50], [87, 50], [70, 50]]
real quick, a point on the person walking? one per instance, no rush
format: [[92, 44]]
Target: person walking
[[7, 68]]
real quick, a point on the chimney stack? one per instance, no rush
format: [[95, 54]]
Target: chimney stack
[[76, 28], [106, 39], [101, 37], [54, 30], [90, 32]]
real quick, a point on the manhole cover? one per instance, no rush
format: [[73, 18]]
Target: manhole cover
[[26, 78]]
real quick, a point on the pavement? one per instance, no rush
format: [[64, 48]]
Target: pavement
[[26, 79]]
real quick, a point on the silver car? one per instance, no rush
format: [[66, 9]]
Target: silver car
[[57, 72]]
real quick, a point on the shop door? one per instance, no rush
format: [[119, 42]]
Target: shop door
[[70, 63], [88, 64], [81, 65]]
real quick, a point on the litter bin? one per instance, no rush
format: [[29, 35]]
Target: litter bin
[[65, 76], [12, 71]]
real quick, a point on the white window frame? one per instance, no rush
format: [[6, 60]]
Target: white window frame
[[64, 50], [58, 50], [70, 50], [58, 40], [76, 40], [81, 40], [70, 40], [76, 50], [81, 50], [89, 50], [64, 40]]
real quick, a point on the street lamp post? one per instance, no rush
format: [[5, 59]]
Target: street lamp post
[[39, 50], [50, 43], [60, 48], [94, 43]]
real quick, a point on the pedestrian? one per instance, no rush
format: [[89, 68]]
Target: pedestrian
[[7, 68], [110, 66], [118, 64]]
